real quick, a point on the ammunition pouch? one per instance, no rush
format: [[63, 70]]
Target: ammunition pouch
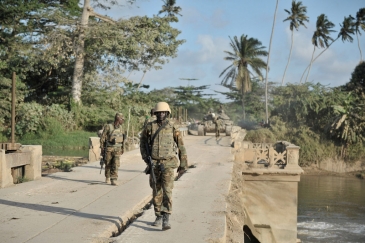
[[116, 139]]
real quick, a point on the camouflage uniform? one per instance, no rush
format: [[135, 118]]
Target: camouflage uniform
[[165, 160], [218, 126], [112, 138]]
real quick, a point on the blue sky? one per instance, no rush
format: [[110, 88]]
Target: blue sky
[[207, 24]]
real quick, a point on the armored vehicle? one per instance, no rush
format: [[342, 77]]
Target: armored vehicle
[[207, 125]]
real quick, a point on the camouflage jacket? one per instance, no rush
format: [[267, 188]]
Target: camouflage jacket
[[105, 136], [160, 139]]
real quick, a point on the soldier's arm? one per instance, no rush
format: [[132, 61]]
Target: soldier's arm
[[143, 141], [104, 136], [182, 151]]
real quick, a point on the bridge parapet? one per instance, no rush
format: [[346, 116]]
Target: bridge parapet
[[24, 163], [279, 155], [270, 176]]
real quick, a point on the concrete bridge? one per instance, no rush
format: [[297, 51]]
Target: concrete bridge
[[232, 195]]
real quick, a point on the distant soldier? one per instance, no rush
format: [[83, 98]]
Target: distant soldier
[[150, 118], [112, 139], [218, 124], [220, 110], [157, 142]]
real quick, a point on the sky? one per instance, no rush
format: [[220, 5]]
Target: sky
[[206, 25]]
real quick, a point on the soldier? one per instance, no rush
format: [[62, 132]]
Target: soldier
[[112, 139], [161, 136], [217, 122], [150, 118]]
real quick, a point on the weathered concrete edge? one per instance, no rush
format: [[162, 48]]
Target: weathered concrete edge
[[223, 239], [113, 229]]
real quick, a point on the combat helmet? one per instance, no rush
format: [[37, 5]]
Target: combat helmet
[[162, 106], [119, 114]]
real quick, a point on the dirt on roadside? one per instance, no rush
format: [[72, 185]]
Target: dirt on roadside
[[53, 164]]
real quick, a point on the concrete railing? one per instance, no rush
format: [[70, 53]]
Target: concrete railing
[[280, 155], [25, 163], [270, 176]]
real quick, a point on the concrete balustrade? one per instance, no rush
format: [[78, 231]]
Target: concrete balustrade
[[28, 158], [270, 173]]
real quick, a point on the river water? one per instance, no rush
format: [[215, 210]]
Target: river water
[[331, 209]]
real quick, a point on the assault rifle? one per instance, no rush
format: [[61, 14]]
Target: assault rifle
[[149, 169], [102, 159]]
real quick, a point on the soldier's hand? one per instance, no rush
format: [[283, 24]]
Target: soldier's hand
[[181, 171], [147, 171]]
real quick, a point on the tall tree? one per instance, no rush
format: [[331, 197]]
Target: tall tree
[[297, 18], [268, 65], [321, 36], [360, 23], [169, 8], [80, 46], [347, 29], [245, 56]]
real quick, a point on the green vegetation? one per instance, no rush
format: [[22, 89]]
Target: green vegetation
[[21, 179], [71, 80]]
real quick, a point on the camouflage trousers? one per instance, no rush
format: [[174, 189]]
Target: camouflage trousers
[[112, 162], [162, 200]]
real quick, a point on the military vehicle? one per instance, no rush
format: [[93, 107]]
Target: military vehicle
[[201, 128]]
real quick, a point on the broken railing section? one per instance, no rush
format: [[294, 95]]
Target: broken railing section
[[279, 155]]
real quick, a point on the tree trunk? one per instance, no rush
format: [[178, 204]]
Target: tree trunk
[[140, 82], [267, 65], [358, 44], [79, 58], [291, 48], [310, 65], [316, 58], [243, 107]]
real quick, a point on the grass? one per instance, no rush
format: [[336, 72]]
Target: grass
[[74, 139], [22, 179]]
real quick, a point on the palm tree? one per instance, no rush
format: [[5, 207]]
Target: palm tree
[[245, 56], [267, 65], [347, 29], [321, 36], [296, 17], [169, 8], [360, 23], [348, 123]]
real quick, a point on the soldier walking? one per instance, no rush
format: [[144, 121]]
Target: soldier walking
[[217, 122], [159, 140], [112, 140]]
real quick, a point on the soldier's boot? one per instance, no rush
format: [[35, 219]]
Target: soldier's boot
[[158, 221], [165, 221], [114, 182], [107, 180]]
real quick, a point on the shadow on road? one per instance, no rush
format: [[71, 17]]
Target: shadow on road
[[64, 211]]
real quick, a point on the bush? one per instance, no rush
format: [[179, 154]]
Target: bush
[[262, 135], [65, 118]]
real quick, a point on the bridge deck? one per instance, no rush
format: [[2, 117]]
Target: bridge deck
[[78, 207]]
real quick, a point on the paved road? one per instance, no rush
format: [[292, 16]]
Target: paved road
[[78, 207]]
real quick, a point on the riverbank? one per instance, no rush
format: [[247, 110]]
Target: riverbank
[[314, 170]]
